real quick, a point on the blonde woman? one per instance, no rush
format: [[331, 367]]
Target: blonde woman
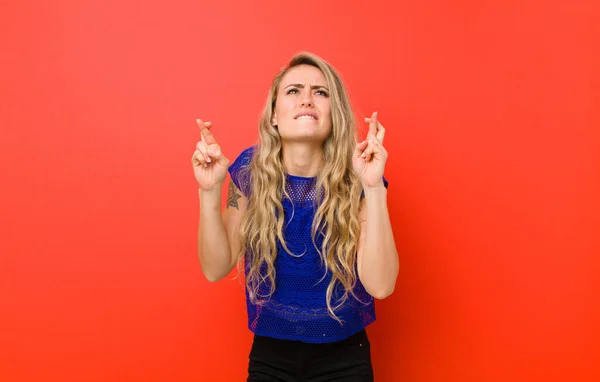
[[307, 217]]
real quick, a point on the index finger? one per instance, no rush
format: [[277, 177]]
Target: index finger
[[380, 130], [207, 136], [380, 133], [204, 126], [373, 124]]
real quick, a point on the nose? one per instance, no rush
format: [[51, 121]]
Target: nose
[[306, 99]]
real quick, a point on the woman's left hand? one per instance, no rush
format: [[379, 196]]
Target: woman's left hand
[[370, 156]]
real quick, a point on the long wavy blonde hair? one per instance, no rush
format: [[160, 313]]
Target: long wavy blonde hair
[[338, 190]]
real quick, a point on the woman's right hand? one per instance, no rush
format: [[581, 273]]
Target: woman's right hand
[[209, 163]]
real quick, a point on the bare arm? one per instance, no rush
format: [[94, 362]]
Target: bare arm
[[219, 233], [377, 258]]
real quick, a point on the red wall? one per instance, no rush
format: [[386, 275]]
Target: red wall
[[493, 127]]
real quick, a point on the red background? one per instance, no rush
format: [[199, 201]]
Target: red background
[[493, 127]]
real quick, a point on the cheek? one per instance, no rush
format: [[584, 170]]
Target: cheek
[[285, 106], [327, 113], [324, 108], [279, 109]]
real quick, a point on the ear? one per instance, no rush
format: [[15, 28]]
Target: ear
[[274, 119]]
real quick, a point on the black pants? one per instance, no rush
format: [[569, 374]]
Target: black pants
[[348, 360]]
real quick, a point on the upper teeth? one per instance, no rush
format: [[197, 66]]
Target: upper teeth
[[306, 116]]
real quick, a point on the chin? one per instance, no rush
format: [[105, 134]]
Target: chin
[[309, 134]]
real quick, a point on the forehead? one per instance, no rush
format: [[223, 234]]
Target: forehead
[[304, 74]]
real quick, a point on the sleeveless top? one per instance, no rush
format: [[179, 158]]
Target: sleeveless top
[[297, 310]]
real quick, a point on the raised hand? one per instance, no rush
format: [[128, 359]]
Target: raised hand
[[370, 156], [209, 163]]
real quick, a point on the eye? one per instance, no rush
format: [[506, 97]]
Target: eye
[[292, 91], [323, 93]]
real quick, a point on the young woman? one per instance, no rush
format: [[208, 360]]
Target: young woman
[[307, 215]]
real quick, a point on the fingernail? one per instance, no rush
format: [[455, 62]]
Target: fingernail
[[198, 120]]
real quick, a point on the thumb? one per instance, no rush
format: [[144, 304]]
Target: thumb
[[360, 148], [217, 154]]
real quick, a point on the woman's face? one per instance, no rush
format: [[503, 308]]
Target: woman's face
[[302, 110]]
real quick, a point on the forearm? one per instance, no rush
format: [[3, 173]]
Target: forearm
[[380, 257], [213, 246]]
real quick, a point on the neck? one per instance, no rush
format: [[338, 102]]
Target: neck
[[301, 159]]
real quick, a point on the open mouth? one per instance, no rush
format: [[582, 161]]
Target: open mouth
[[307, 116]]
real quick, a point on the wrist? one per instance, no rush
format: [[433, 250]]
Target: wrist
[[375, 191], [213, 192]]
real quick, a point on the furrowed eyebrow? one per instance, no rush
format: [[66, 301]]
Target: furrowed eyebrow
[[301, 86]]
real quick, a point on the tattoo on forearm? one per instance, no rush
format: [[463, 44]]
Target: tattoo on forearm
[[232, 196]]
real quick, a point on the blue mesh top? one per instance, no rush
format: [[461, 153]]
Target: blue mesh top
[[297, 310]]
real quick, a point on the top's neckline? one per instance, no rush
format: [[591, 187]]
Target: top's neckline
[[301, 177]]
